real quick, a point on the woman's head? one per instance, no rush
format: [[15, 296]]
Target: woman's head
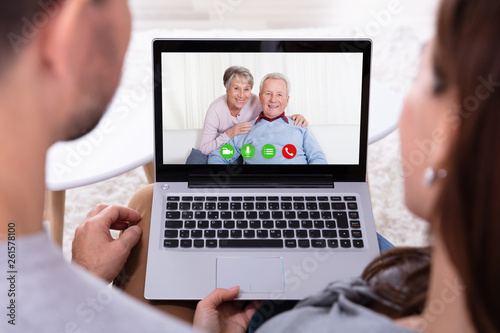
[[239, 83], [451, 121]]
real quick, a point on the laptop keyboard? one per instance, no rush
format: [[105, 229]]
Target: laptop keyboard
[[196, 222]]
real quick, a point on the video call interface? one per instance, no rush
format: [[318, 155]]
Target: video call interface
[[325, 88]]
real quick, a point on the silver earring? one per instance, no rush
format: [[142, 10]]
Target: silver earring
[[430, 175]]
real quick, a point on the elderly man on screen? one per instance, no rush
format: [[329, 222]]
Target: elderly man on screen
[[273, 139]]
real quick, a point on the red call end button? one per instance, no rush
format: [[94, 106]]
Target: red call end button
[[289, 151]]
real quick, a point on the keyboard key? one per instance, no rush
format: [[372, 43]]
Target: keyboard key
[[237, 199], [226, 215], [197, 206], [303, 215], [229, 224], [211, 243], [319, 224], [242, 224], [222, 233], [213, 215], [345, 243], [238, 215], [223, 206], [262, 233], [326, 215], [286, 206], [301, 233], [286, 198], [324, 206], [288, 234], [306, 224], [173, 198], [318, 243], [174, 215], [200, 215], [329, 233], [251, 243], [290, 215], [184, 234], [261, 199], [344, 233], [294, 224], [261, 206], [274, 205], [171, 233], [249, 198], [196, 233], [299, 206], [249, 233], [185, 206], [304, 243], [171, 243], [273, 199], [210, 205], [290, 243], [173, 224], [199, 198], [275, 233], [338, 206], [356, 234], [187, 198], [330, 224], [199, 243], [312, 206], [224, 199], [235, 205], [358, 243], [336, 198], [352, 205], [333, 243], [350, 198], [341, 218], [268, 224], [251, 215], [264, 215], [353, 215], [203, 224], [310, 198], [355, 224], [280, 224], [187, 215], [190, 224], [172, 205], [211, 198], [314, 234], [277, 215], [216, 224], [298, 198], [255, 224], [209, 233], [322, 198], [248, 206], [236, 233]]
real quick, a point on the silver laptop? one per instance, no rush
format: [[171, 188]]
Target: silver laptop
[[279, 229]]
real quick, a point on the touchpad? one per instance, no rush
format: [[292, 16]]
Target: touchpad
[[252, 275]]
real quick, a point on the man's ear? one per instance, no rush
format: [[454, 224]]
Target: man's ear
[[59, 40]]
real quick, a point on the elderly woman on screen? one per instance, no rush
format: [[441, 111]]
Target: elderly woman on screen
[[230, 114]]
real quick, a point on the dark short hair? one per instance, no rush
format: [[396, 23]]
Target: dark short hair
[[20, 21]]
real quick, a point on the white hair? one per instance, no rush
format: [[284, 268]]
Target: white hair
[[276, 76]]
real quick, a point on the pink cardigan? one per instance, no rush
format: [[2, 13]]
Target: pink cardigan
[[218, 120]]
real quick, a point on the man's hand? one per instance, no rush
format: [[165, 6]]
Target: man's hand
[[216, 314], [300, 120], [95, 249], [238, 129]]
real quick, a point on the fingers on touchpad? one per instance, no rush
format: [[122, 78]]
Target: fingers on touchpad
[[252, 275]]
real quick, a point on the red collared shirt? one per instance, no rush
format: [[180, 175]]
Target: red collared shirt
[[261, 116]]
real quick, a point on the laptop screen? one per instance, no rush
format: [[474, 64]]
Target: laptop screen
[[207, 123]]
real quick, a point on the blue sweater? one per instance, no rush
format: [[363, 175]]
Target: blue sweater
[[279, 133]]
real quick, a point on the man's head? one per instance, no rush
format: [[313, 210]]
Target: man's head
[[75, 51], [273, 95]]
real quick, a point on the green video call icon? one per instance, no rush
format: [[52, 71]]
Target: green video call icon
[[268, 151], [247, 151], [227, 151]]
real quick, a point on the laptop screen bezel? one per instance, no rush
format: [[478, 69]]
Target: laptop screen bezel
[[183, 172]]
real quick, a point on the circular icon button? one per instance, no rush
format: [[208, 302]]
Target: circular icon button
[[247, 151], [268, 151], [289, 151], [227, 151]]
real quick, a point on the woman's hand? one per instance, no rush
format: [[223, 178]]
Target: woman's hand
[[238, 129], [300, 120], [95, 249], [216, 314]]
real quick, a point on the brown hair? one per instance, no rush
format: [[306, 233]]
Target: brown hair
[[466, 59]]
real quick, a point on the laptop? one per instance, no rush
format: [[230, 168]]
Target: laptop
[[279, 228]]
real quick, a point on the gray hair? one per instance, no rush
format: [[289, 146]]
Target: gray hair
[[276, 76], [242, 72]]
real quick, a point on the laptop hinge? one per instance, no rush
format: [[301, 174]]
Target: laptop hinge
[[261, 181]]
